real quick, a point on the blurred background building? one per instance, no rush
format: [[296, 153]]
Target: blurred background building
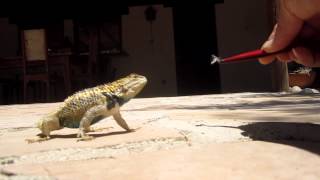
[[59, 49]]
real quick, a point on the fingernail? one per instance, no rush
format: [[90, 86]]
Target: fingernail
[[265, 60], [267, 44], [296, 54]]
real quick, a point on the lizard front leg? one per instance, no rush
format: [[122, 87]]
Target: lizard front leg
[[85, 122], [120, 121]]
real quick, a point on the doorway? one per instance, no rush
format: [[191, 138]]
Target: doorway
[[195, 42]]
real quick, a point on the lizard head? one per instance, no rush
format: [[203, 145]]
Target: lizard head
[[48, 123], [130, 86]]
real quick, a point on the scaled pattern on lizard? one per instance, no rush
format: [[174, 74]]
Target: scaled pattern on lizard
[[89, 106]]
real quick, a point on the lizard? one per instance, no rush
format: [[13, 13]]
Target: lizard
[[87, 107]]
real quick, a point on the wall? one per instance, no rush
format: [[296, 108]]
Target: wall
[[242, 26], [150, 50]]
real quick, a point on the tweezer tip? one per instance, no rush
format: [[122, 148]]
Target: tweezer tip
[[215, 59]]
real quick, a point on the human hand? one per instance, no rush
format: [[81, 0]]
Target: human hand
[[297, 19]]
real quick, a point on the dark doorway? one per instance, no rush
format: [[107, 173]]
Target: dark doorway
[[195, 41]]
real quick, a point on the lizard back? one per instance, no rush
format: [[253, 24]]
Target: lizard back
[[120, 91]]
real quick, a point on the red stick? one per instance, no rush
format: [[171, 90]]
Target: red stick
[[249, 55]]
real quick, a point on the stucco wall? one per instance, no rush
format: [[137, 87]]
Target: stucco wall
[[150, 53]]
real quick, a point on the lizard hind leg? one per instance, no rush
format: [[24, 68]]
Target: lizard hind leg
[[86, 121], [98, 129]]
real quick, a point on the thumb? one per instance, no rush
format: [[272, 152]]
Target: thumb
[[286, 30]]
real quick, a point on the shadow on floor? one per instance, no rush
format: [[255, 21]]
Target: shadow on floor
[[301, 135], [95, 135], [278, 103], [272, 95]]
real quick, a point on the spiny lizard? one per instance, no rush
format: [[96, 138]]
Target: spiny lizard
[[89, 106]]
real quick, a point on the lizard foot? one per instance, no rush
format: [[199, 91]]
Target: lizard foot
[[37, 140], [134, 129], [92, 129], [85, 138]]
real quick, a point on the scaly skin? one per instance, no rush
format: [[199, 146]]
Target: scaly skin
[[89, 106]]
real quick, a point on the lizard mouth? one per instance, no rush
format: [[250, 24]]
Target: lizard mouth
[[135, 86]]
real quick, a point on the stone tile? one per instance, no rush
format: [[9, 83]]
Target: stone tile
[[245, 160], [231, 136]]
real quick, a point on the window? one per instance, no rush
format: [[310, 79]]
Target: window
[[107, 33]]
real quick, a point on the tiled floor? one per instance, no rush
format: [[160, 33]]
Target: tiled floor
[[230, 136]]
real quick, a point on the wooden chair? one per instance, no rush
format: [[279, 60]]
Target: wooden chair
[[35, 59]]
